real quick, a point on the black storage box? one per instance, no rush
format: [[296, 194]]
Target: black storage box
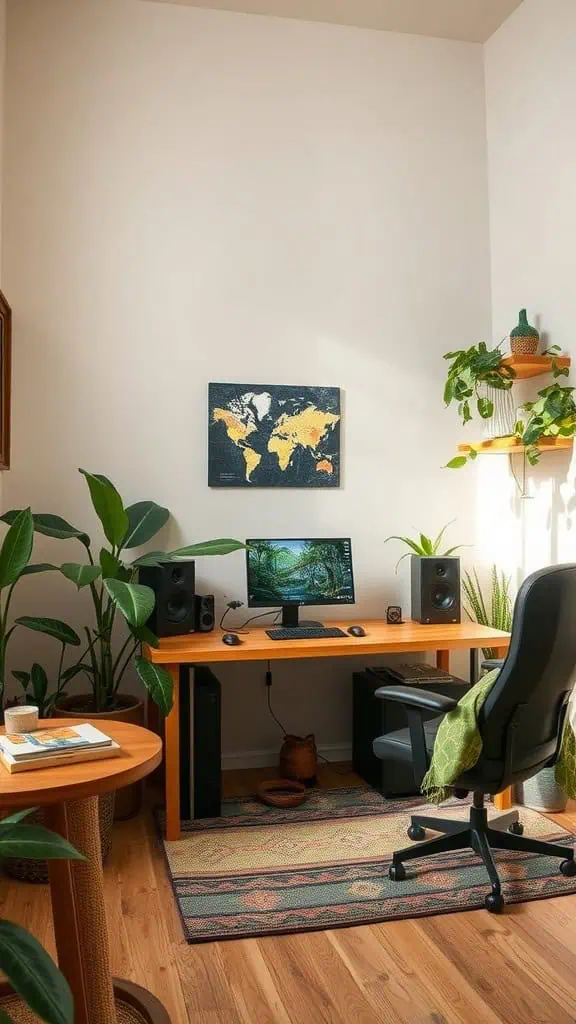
[[372, 717]]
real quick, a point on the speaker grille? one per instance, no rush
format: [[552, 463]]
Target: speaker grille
[[442, 596]]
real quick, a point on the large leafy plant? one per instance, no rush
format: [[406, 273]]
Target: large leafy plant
[[31, 972], [494, 610], [425, 547], [118, 600], [15, 555]]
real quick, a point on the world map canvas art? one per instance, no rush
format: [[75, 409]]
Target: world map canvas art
[[271, 435]]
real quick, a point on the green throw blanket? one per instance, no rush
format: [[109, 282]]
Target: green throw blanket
[[458, 746]]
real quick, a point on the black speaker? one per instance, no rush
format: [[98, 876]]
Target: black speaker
[[200, 744], [173, 585], [435, 589], [204, 613]]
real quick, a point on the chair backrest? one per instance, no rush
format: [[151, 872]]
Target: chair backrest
[[539, 671]]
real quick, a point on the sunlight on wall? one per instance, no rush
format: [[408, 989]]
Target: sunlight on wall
[[522, 534]]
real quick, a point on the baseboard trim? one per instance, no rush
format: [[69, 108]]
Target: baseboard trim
[[235, 761]]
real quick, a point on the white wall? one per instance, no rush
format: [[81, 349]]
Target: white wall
[[193, 196], [531, 99]]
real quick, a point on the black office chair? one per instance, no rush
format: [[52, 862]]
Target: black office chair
[[521, 727]]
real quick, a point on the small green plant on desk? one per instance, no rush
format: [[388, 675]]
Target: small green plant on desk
[[494, 611], [425, 547], [32, 973]]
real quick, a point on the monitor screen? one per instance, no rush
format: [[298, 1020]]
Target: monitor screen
[[299, 572]]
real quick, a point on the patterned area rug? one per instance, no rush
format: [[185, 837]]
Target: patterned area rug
[[260, 871]]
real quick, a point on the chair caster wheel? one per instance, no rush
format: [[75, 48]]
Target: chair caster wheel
[[516, 828], [494, 902], [416, 833], [397, 872], [568, 868]]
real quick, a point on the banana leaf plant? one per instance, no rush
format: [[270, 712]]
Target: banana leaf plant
[[15, 555], [117, 598], [26, 964]]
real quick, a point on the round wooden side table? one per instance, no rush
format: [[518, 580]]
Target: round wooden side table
[[69, 795]]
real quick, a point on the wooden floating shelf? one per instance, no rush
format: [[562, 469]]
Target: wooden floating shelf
[[534, 366], [512, 446]]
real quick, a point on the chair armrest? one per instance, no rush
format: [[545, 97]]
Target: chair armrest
[[491, 663], [412, 696]]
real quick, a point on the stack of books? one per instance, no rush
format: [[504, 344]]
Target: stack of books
[[43, 748]]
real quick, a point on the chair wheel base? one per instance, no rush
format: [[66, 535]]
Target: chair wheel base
[[416, 833], [494, 902], [516, 828], [568, 868], [397, 872]]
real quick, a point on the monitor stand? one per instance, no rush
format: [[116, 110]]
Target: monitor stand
[[291, 620]]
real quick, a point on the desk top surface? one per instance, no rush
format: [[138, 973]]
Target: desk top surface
[[380, 638]]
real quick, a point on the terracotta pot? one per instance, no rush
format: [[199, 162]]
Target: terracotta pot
[[299, 760], [129, 709]]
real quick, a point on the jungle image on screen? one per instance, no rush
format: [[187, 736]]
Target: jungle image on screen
[[307, 571]]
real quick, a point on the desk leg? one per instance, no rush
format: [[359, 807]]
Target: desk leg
[[172, 759], [503, 801], [443, 660]]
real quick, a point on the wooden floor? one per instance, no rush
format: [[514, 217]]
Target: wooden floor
[[475, 967]]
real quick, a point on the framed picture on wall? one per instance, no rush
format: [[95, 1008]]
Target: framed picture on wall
[[273, 435], [5, 380]]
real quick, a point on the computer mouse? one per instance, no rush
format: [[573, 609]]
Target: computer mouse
[[231, 639], [356, 631]]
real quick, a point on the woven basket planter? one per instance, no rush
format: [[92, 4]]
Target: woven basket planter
[[542, 792], [36, 871], [527, 346], [134, 1005]]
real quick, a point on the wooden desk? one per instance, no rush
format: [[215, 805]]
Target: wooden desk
[[69, 795], [203, 648]]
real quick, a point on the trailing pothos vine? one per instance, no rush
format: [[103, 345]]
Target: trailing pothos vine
[[552, 415]]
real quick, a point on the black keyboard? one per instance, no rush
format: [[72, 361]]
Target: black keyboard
[[305, 633]]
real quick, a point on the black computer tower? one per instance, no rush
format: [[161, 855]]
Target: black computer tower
[[372, 717], [200, 744]]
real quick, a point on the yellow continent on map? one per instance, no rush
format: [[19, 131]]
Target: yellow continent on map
[[238, 432], [305, 429]]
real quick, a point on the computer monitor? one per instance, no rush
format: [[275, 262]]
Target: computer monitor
[[292, 573]]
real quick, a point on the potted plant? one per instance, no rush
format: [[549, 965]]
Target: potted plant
[[425, 547], [476, 376], [33, 974], [496, 610], [553, 414], [121, 607], [15, 555]]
